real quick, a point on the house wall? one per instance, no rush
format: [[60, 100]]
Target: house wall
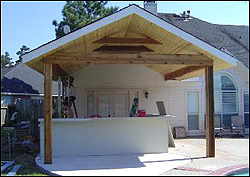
[[6, 99], [138, 77], [241, 76]]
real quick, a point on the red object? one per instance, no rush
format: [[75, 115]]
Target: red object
[[141, 113], [96, 116]]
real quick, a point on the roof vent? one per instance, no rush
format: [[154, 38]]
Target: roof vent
[[186, 15], [66, 29], [150, 6]]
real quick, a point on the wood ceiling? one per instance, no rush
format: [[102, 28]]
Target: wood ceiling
[[131, 40]]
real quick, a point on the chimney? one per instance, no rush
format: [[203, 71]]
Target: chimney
[[150, 6]]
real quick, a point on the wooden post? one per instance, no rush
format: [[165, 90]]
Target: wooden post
[[47, 112], [63, 94], [210, 135], [59, 97]]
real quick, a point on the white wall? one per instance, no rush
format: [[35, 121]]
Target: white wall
[[144, 79], [135, 77], [241, 76], [106, 136]]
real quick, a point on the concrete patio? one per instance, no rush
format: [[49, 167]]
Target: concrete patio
[[231, 154], [187, 158], [115, 165]]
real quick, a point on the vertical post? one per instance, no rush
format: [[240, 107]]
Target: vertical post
[[210, 135], [59, 97], [63, 94], [47, 112], [68, 91]]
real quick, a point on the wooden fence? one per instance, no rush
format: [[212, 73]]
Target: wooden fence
[[29, 109]]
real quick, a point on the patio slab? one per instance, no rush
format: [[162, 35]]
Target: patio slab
[[230, 154], [115, 165]]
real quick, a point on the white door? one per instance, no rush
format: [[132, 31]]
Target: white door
[[111, 103], [104, 104], [120, 104]]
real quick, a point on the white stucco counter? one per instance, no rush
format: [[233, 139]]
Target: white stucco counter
[[74, 137]]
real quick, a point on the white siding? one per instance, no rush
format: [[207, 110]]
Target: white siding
[[141, 78]]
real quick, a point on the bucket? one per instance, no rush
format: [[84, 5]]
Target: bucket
[[141, 113]]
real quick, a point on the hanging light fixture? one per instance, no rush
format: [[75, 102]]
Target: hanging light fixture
[[146, 95]]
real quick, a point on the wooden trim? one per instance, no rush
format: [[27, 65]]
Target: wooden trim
[[139, 48], [111, 40], [47, 112], [181, 72], [210, 134]]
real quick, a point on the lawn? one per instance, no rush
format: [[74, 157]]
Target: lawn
[[22, 156]]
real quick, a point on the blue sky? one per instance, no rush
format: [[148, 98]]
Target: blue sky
[[30, 23]]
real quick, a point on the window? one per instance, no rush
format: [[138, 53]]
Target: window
[[225, 98], [193, 110], [109, 103], [246, 109]]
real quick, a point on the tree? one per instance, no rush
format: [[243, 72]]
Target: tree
[[6, 60], [76, 14], [21, 52]]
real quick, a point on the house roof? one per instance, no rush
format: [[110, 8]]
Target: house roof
[[129, 21], [21, 79], [232, 39]]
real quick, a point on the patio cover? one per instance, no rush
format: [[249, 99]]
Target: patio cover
[[130, 36]]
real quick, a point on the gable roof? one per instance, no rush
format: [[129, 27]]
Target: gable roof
[[131, 9], [80, 44], [21, 79], [232, 39]]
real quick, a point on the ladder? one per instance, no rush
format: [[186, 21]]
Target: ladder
[[134, 107]]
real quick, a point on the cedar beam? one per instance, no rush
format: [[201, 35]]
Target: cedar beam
[[110, 40], [47, 112], [76, 58], [170, 57], [131, 61], [210, 134], [181, 72]]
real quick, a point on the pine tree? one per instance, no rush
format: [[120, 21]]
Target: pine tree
[[6, 60], [21, 52], [79, 13]]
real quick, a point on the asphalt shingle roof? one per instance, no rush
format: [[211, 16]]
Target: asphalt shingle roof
[[22, 79], [235, 38]]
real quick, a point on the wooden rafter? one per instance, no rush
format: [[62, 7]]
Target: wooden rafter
[[139, 48], [181, 72], [112, 40], [58, 71]]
